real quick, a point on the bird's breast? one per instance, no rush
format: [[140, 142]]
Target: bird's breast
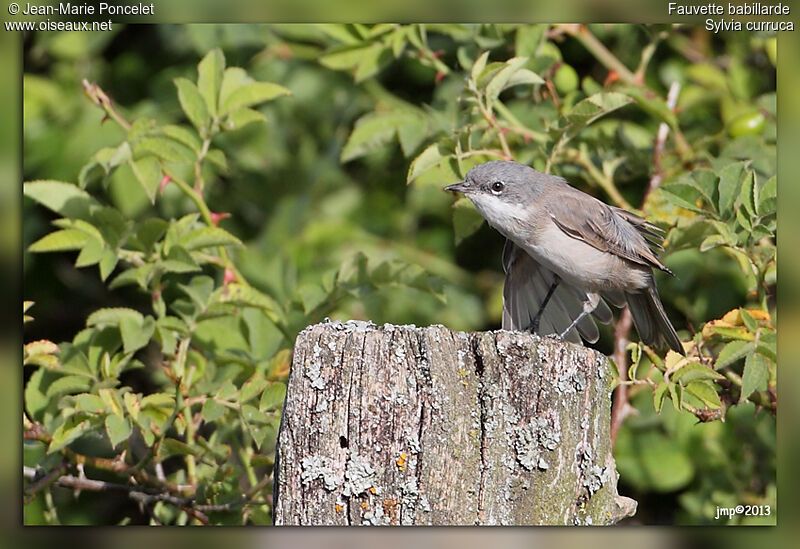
[[582, 264]]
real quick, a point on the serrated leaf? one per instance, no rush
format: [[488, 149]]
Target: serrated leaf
[[767, 197], [371, 132], [658, 396], [242, 117], [466, 219], [712, 241], [168, 150], [90, 254], [684, 195], [135, 335], [150, 231], [209, 78], [429, 158], [730, 184], [252, 387], [754, 376], [63, 198], [273, 396], [112, 316], [87, 402], [69, 431], [693, 371], [193, 104], [732, 352], [69, 385], [208, 236], [132, 404], [183, 135], [212, 410], [705, 391], [500, 81], [59, 241], [748, 320], [147, 171], [479, 66], [251, 94], [118, 429], [178, 260]]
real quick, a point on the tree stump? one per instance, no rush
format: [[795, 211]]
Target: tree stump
[[407, 425]]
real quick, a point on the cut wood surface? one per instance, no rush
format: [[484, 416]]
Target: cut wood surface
[[408, 425]]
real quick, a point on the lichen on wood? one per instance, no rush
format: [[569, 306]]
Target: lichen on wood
[[404, 425]]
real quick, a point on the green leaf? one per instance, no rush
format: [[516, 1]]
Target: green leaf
[[595, 106], [658, 396], [748, 320], [184, 136], [91, 253], [730, 184], [747, 195], [147, 171], [466, 219], [208, 236], [252, 387], [69, 431], [252, 94], [118, 429], [193, 104], [767, 197], [479, 66], [135, 335], [430, 157], [693, 371], [705, 391], [58, 241], [273, 396], [112, 316], [69, 385], [712, 241], [179, 261], [500, 80], [706, 182], [242, 117], [732, 352], [168, 150], [754, 376], [686, 196], [371, 132], [63, 198], [212, 410], [149, 232], [209, 78]]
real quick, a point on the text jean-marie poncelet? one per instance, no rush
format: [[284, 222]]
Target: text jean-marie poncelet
[[747, 10], [103, 8]]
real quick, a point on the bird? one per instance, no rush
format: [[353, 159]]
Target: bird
[[567, 254]]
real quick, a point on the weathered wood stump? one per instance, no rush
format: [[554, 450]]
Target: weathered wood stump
[[407, 425]]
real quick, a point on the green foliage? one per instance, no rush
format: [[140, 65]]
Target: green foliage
[[227, 207]]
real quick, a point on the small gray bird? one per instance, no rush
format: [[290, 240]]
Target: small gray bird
[[566, 252]]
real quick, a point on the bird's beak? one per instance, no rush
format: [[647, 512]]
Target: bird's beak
[[458, 187]]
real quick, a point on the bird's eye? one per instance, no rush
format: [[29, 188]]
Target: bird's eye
[[498, 186]]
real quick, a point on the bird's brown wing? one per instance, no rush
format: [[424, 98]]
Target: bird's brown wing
[[606, 228]]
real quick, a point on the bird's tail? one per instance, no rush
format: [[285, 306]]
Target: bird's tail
[[651, 320]]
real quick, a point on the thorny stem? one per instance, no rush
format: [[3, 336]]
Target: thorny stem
[[596, 48], [621, 406], [195, 194]]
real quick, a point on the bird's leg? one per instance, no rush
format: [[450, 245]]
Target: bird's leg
[[592, 300], [538, 317]]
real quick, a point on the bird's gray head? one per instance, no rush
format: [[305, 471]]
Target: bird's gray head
[[502, 192]]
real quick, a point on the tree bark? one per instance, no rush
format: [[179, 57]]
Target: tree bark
[[407, 425]]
